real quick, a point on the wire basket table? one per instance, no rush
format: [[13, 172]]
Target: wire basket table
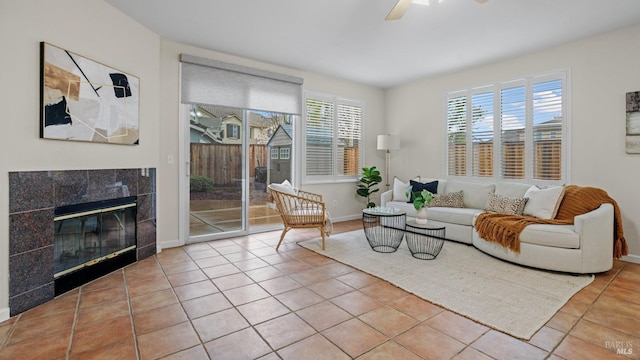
[[424, 242], [384, 228]]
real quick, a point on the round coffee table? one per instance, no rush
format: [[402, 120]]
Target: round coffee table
[[424, 241], [384, 228]]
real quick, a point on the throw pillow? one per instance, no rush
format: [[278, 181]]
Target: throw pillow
[[417, 186], [400, 190], [506, 204], [455, 200], [285, 187], [543, 203]]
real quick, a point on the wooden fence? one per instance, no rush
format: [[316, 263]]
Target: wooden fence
[[223, 163], [547, 160]]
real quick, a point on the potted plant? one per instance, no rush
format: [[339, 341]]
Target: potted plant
[[369, 179], [421, 199]]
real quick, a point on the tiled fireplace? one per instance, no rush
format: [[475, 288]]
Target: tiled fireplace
[[115, 204]]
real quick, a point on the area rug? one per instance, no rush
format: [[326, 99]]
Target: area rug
[[510, 298]]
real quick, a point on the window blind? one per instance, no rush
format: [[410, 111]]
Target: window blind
[[349, 135], [333, 137], [319, 137], [525, 140], [457, 135], [547, 130], [512, 115], [482, 133], [206, 81]]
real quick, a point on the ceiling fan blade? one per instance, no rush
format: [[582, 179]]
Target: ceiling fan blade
[[398, 10], [482, 1]]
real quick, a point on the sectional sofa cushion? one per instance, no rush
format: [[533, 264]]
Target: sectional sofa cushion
[[475, 196], [512, 189], [560, 236], [460, 216]]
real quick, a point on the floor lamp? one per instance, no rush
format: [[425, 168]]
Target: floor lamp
[[388, 143]]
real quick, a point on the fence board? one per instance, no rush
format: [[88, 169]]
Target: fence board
[[223, 163]]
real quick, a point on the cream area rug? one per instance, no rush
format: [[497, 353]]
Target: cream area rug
[[510, 298]]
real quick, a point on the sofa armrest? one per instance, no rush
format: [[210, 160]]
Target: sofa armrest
[[385, 197], [596, 231]]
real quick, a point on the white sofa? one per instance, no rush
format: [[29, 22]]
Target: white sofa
[[583, 247]]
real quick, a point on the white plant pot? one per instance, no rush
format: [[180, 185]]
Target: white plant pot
[[421, 216]]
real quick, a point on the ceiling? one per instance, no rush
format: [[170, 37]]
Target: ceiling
[[350, 39]]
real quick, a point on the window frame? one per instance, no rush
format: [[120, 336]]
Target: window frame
[[563, 75], [285, 153], [337, 101], [275, 153]]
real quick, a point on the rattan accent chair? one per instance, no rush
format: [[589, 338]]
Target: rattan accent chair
[[303, 210]]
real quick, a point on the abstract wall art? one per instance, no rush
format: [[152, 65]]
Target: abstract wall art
[[633, 123], [83, 100]]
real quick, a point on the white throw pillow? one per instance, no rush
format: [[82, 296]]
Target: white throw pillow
[[543, 203], [285, 187], [400, 190]]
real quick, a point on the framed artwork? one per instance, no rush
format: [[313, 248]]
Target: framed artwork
[[84, 100], [633, 123]]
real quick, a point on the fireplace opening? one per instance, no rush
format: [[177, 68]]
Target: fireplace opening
[[92, 240]]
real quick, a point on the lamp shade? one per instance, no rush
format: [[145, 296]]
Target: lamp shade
[[388, 142]]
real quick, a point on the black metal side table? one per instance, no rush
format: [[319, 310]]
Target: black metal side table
[[423, 241], [384, 228]]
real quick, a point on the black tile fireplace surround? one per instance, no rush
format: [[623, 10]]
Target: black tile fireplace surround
[[33, 198]]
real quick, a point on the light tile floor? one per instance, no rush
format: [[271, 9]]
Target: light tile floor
[[240, 299]]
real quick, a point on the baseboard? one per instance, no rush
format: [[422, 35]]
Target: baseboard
[[345, 218], [632, 258], [4, 314], [168, 244]]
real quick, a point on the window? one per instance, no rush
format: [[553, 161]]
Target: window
[[515, 130], [284, 153], [275, 153], [333, 133], [233, 131]]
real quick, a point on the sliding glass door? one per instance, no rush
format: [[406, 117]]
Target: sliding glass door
[[233, 155]]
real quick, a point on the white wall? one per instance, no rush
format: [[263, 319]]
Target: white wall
[[97, 31], [603, 69], [348, 204]]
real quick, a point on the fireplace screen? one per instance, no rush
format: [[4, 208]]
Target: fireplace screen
[[86, 234]]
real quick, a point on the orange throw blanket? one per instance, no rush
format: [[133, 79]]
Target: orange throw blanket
[[505, 229]]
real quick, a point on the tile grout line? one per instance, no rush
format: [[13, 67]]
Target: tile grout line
[[581, 317], [202, 343], [75, 322], [133, 324], [10, 333]]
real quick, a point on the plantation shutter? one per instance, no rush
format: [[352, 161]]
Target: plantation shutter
[[512, 132], [349, 139], [547, 130], [482, 134], [457, 135], [319, 137], [212, 82]]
